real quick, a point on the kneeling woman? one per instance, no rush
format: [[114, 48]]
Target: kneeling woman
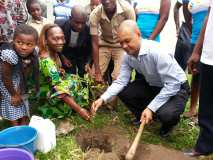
[[63, 86]]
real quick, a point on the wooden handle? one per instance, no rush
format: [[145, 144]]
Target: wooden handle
[[131, 153]]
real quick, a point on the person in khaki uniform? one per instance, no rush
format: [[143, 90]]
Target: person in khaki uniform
[[109, 15]]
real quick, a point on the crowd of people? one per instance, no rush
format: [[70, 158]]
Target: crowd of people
[[114, 38]]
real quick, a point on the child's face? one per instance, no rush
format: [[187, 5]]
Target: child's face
[[24, 44], [94, 3], [35, 11]]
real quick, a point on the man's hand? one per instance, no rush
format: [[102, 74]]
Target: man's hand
[[193, 63], [177, 32], [95, 105], [66, 62], [146, 116], [16, 100], [87, 68], [98, 77]]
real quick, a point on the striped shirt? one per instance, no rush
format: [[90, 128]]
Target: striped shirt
[[62, 10]]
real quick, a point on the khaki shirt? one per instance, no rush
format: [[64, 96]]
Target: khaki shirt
[[88, 9], [109, 28], [38, 25]]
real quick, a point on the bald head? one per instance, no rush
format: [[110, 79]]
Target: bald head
[[128, 26], [129, 37], [78, 12], [78, 18]]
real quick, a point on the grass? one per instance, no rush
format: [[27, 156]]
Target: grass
[[66, 149], [183, 137]]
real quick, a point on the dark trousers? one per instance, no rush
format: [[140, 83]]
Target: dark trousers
[[138, 94], [78, 66], [205, 113]]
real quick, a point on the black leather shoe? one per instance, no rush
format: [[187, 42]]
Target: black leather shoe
[[165, 131], [193, 153]]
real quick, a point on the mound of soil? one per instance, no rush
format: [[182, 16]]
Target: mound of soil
[[111, 143], [155, 152]]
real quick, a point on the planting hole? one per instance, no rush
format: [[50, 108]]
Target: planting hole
[[90, 140]]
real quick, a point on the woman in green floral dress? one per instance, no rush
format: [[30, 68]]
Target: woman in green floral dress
[[63, 86]]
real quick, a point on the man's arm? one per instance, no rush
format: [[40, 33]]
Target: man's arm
[[176, 16], [187, 15], [95, 55], [164, 14], [122, 80], [94, 31], [195, 57], [117, 85]]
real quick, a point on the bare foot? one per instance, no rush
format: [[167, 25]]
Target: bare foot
[[190, 114]]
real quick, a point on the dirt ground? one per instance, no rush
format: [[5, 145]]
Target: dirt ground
[[111, 143]]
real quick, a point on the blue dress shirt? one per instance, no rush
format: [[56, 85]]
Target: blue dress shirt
[[159, 68]]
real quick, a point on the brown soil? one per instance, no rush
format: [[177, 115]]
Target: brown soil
[[154, 152], [111, 143]]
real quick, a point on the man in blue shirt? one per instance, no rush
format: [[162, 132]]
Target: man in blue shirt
[[163, 91]]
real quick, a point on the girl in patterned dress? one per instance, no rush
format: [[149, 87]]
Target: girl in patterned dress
[[14, 105], [63, 86]]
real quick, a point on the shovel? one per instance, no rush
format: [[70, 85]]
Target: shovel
[[131, 153]]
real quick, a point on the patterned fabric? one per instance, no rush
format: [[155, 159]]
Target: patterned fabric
[[12, 13], [9, 56], [60, 82], [7, 110]]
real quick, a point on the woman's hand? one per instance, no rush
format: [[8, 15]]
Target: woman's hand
[[85, 114]]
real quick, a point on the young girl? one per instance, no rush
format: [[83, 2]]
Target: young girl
[[14, 106], [36, 21], [62, 86]]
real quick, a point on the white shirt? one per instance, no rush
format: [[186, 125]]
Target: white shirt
[[73, 38], [196, 6], [159, 68], [207, 52]]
